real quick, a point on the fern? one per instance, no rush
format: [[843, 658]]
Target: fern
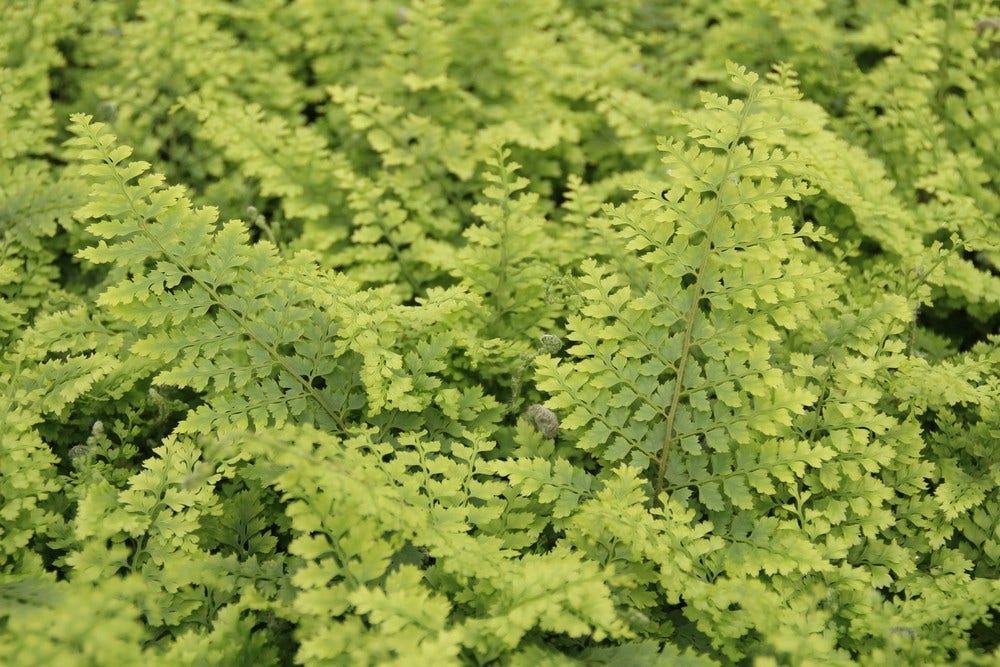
[[504, 259], [199, 270], [658, 379], [450, 394], [356, 555], [706, 274]]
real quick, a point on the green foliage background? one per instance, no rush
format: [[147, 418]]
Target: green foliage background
[[520, 332]]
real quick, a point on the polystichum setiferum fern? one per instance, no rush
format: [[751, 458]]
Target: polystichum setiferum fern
[[690, 362], [733, 375], [217, 313], [452, 394]]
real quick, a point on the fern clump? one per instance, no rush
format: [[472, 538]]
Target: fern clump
[[361, 333]]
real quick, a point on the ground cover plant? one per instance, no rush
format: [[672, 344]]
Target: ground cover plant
[[533, 332]]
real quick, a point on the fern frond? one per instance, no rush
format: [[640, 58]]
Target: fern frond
[[201, 294], [687, 361], [292, 163], [505, 257]]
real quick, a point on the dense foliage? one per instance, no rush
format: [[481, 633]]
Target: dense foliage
[[533, 332]]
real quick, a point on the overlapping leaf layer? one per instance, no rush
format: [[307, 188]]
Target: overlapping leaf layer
[[521, 333]]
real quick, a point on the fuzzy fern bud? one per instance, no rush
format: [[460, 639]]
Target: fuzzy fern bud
[[544, 420], [550, 343], [78, 454]]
